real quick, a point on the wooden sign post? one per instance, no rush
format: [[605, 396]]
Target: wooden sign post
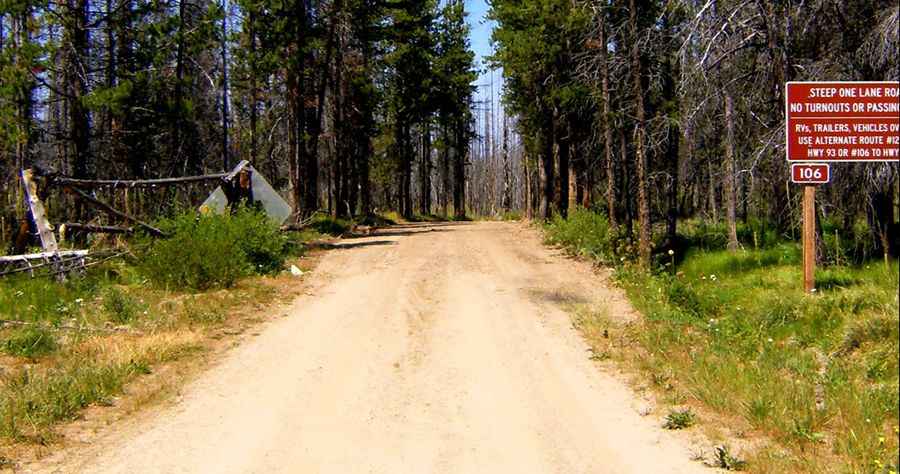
[[809, 238], [836, 122]]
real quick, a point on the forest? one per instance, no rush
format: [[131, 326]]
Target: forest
[[343, 105], [649, 112], [656, 111], [639, 146]]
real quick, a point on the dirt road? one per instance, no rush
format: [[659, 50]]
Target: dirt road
[[438, 348]]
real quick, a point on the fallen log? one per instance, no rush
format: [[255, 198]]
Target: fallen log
[[43, 256], [109, 209], [94, 229], [60, 262], [145, 183], [65, 181]]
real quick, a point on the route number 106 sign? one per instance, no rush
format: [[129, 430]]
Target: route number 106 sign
[[810, 173]]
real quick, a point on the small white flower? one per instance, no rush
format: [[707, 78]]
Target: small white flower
[[79, 301], [671, 252], [770, 340]]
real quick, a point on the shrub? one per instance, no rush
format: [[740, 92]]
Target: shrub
[[208, 250], [584, 232], [327, 225], [119, 306], [680, 419], [263, 244], [726, 460], [30, 342]]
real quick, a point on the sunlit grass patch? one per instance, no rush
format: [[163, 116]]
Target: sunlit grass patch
[[734, 333], [816, 373]]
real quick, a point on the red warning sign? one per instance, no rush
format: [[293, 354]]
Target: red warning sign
[[843, 121]]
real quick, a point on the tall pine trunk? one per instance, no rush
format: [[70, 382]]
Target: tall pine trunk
[[459, 171], [425, 171], [644, 237], [564, 143]]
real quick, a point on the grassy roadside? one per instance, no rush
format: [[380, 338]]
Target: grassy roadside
[[728, 341], [81, 344]]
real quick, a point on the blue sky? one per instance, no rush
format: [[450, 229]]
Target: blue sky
[[481, 28], [481, 43]]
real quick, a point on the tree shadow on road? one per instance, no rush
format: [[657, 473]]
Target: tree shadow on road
[[352, 245]]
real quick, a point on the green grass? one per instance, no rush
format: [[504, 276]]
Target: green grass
[[29, 342], [43, 299], [31, 402], [734, 333], [52, 369]]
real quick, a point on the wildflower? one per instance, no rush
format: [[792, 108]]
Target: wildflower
[[771, 340], [671, 252], [79, 301], [713, 277]]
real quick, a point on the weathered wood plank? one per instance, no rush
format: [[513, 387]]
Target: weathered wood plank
[[38, 214]]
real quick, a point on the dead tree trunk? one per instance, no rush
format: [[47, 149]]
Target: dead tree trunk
[[729, 184]]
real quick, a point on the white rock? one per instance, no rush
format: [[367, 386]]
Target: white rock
[[296, 271]]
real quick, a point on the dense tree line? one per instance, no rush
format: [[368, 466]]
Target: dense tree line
[[346, 105], [656, 110]]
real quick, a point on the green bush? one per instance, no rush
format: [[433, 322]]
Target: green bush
[[584, 233], [680, 419], [213, 251], [119, 306], [30, 342], [263, 244]]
